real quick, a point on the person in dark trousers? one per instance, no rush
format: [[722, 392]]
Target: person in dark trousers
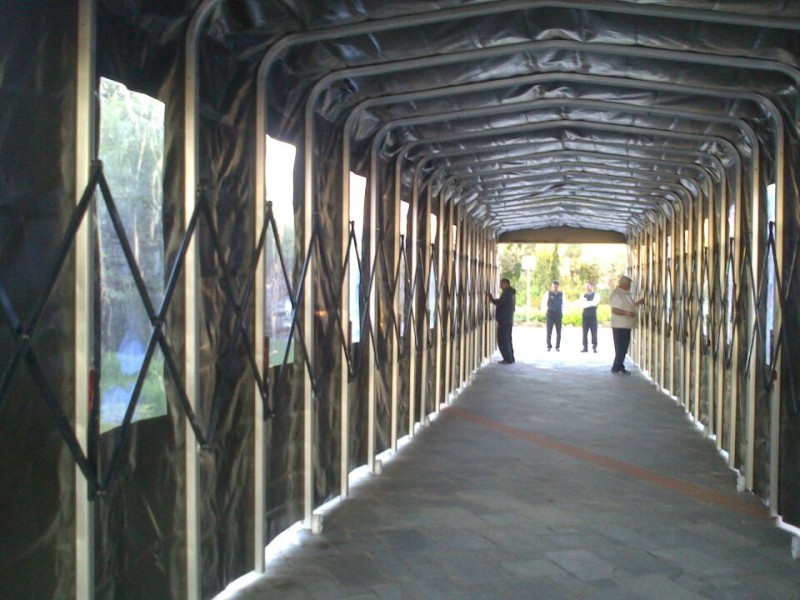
[[555, 306], [504, 315], [590, 301], [624, 310]]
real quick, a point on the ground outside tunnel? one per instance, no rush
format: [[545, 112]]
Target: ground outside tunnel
[[551, 478]]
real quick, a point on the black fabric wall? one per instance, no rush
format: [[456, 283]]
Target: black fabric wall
[[37, 133]]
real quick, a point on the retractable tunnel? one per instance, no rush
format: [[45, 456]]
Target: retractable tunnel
[[245, 244]]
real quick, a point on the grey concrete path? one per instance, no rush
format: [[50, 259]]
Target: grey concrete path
[[548, 479]]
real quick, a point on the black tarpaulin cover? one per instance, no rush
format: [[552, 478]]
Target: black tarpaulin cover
[[596, 115]]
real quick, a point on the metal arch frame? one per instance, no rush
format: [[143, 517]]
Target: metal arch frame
[[699, 157], [725, 203], [597, 160], [327, 79], [582, 124], [747, 20], [749, 133], [474, 351], [663, 152], [401, 154], [266, 64], [596, 197], [518, 184], [704, 172], [602, 195], [493, 8], [770, 109], [583, 167], [754, 267], [736, 171], [332, 76], [571, 156]]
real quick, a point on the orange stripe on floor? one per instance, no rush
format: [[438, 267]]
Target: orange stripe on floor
[[696, 492]]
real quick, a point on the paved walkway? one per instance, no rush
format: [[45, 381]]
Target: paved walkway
[[548, 479]]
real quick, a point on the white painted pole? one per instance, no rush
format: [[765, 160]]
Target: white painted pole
[[84, 152]]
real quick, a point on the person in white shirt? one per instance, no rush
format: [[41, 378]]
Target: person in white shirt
[[623, 318], [589, 302]]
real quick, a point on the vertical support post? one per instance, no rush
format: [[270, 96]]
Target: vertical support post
[[664, 265], [646, 332], [344, 314], [719, 278], [688, 234], [481, 297], [259, 434], [471, 292], [698, 306], [651, 293], [641, 281], [448, 249], [440, 314], [658, 284], [775, 397], [413, 325], [711, 363], [752, 370], [635, 350], [733, 413], [464, 284], [479, 302], [495, 274], [308, 306], [424, 317], [473, 278], [673, 255], [191, 304], [644, 283], [371, 262], [395, 358], [84, 152]]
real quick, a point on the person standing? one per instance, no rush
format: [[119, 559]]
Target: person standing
[[623, 319], [589, 300], [504, 315], [555, 306]]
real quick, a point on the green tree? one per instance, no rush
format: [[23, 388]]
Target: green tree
[[587, 272]]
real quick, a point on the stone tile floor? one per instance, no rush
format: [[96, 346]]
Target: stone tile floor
[[551, 478]]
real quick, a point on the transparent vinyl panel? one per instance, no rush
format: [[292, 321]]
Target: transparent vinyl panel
[[132, 150], [358, 189], [278, 296]]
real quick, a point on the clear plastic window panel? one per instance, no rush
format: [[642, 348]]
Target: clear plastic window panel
[[668, 291], [770, 301], [358, 188], [277, 297], [730, 299], [132, 150], [401, 281], [432, 276], [706, 305]]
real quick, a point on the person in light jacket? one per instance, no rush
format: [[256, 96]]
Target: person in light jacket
[[624, 310]]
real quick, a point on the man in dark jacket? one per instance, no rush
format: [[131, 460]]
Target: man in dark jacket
[[589, 301], [555, 307], [505, 319]]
